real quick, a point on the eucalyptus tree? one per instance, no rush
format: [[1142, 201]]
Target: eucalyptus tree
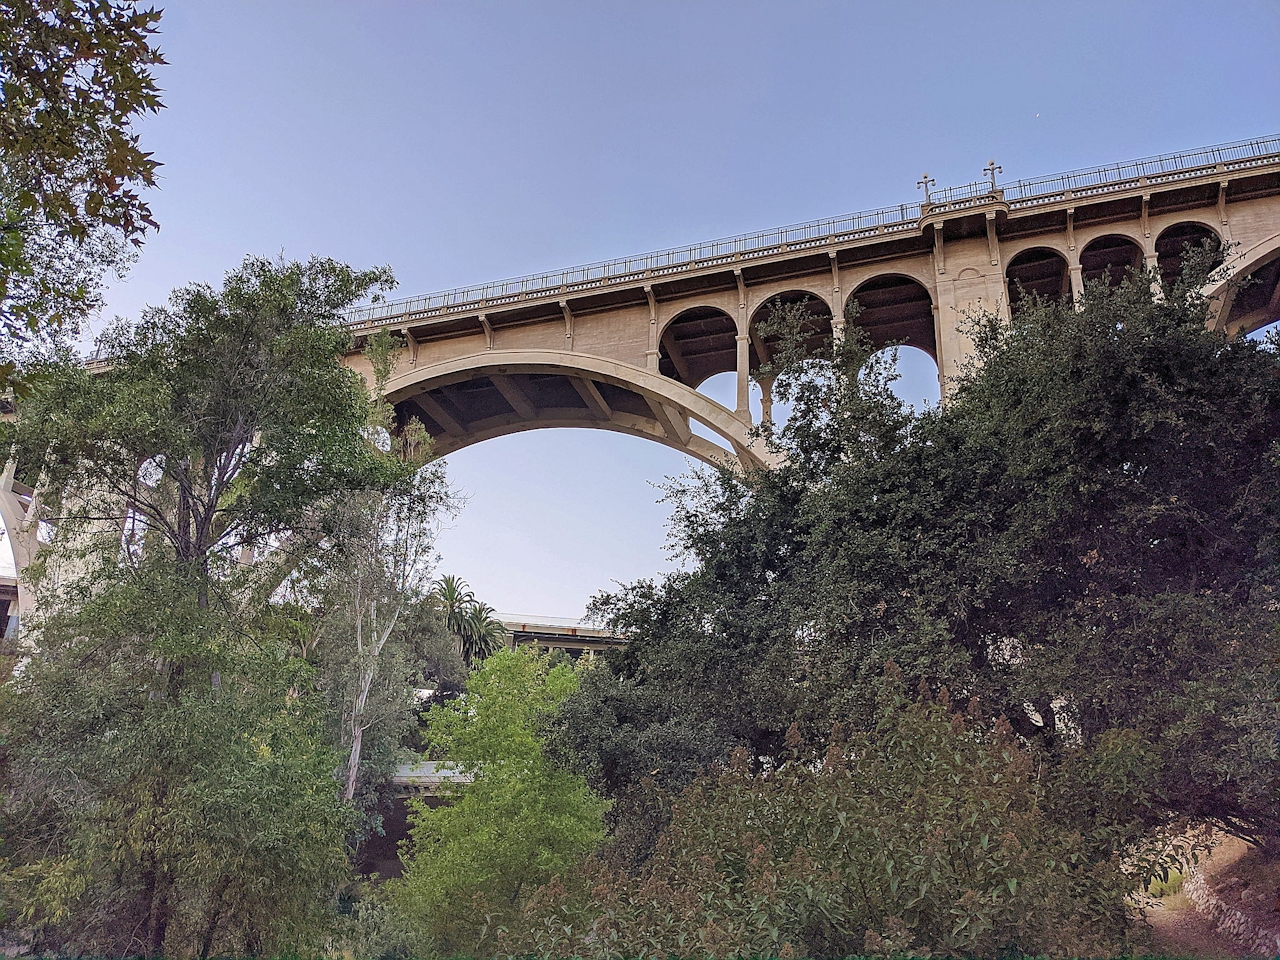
[[370, 577]]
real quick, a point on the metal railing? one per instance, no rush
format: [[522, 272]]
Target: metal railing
[[1117, 176]]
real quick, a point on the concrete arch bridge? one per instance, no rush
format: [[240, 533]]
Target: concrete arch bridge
[[625, 344]]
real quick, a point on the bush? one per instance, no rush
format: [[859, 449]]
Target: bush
[[927, 835]]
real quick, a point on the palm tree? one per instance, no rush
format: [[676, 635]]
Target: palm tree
[[476, 631], [454, 597], [482, 632]]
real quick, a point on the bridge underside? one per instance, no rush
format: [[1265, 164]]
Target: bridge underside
[[496, 394]]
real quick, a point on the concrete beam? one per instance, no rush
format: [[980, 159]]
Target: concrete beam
[[591, 397], [439, 414], [673, 422], [514, 396], [677, 358]]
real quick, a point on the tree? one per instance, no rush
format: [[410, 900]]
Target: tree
[[519, 820], [169, 787], [380, 549], [1083, 538], [482, 633], [141, 820], [74, 76], [477, 631], [215, 427], [455, 598]]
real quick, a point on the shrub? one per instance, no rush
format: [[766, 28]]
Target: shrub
[[928, 834]]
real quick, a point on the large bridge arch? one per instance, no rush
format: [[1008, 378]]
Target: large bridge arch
[[1238, 308], [478, 397]]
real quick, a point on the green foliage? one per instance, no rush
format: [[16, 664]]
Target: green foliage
[[147, 808], [369, 584], [1083, 538], [167, 771], [1167, 886], [927, 835], [74, 75], [218, 423], [520, 819]]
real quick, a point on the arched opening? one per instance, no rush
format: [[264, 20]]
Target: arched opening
[[815, 324], [1110, 259], [1172, 245], [553, 516], [917, 384], [1038, 271], [895, 309], [697, 344]]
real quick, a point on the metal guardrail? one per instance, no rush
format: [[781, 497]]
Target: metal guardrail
[[1077, 183]]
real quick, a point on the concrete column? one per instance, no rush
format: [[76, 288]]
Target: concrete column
[[1222, 211], [766, 397], [1151, 262], [743, 409], [1075, 270], [837, 306], [21, 526], [652, 355]]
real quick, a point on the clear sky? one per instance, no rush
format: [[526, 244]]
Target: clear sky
[[462, 142]]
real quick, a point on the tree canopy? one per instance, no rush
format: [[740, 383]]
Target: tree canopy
[[1082, 538], [168, 758], [74, 77], [518, 820]]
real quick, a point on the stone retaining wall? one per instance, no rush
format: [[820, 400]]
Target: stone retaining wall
[[1259, 940]]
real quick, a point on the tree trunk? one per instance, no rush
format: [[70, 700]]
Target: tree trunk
[[213, 916], [358, 726], [158, 920], [353, 762]]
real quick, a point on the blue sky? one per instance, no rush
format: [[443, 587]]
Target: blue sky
[[462, 142]]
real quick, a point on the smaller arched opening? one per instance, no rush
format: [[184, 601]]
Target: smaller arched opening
[[815, 324], [1173, 243], [698, 343], [895, 309], [918, 384], [1110, 259], [1039, 271]]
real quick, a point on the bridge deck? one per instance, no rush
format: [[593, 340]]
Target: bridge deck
[[1020, 199]]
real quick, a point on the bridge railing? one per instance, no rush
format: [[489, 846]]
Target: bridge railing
[[1077, 183], [1159, 169], [656, 264]]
